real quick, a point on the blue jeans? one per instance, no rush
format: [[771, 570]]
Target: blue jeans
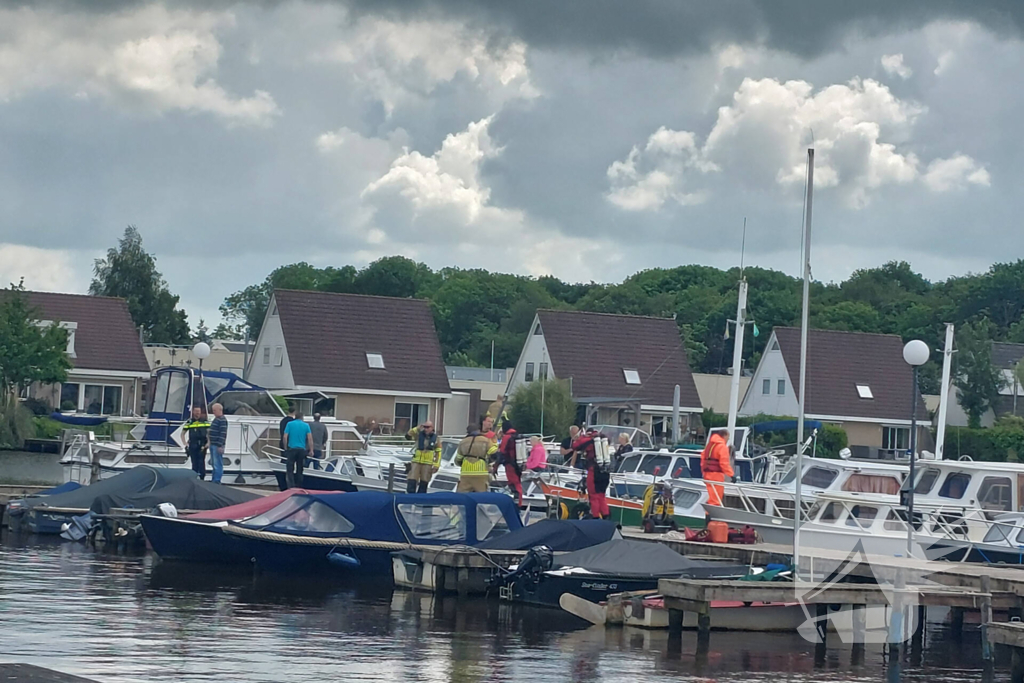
[[217, 458]]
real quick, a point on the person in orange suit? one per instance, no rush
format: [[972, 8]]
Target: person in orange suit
[[715, 465]]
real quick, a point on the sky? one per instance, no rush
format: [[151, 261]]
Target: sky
[[529, 137]]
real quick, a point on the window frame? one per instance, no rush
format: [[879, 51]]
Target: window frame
[[864, 392], [266, 355], [372, 360], [528, 372], [413, 417], [84, 386], [629, 378], [542, 372], [781, 387], [766, 387]]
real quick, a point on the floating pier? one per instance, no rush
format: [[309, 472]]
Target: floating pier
[[27, 673]]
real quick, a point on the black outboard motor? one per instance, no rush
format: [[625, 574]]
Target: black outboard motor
[[538, 559]]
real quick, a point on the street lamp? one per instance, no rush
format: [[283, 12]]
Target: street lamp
[[916, 354], [201, 351]]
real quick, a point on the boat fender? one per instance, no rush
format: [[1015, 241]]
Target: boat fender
[[343, 560]]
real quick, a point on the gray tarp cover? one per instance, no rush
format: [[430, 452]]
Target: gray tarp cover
[[184, 494], [639, 558], [140, 479]]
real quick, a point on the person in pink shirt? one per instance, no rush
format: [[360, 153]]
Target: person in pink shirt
[[538, 460]]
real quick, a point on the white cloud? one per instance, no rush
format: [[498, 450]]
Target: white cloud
[[955, 173], [760, 140], [50, 270], [894, 66], [151, 56], [403, 62], [943, 62], [647, 178]]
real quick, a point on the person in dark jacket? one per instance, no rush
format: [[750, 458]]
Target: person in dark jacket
[[620, 453], [218, 437], [196, 433], [284, 423]]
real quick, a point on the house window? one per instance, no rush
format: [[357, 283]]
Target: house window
[[266, 355], [766, 387], [69, 396], [529, 373], [273, 309], [543, 370], [408, 415], [537, 330], [375, 360], [632, 376], [782, 387], [774, 346], [100, 399], [864, 391], [278, 356], [895, 438]]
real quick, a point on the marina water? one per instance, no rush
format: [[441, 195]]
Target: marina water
[[130, 618]]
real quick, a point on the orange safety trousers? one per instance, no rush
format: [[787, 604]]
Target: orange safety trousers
[[715, 491]]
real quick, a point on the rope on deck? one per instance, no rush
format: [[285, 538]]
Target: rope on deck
[[329, 541]]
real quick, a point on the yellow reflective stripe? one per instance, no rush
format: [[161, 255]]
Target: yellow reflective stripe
[[196, 425], [426, 457], [471, 465]]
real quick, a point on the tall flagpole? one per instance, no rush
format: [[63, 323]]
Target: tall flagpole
[[797, 503]]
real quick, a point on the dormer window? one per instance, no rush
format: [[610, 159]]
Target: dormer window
[[864, 391], [375, 361], [70, 328], [632, 376]]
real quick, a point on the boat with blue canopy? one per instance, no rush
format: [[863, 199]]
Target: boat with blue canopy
[[355, 533]]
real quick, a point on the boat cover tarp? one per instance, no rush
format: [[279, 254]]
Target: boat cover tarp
[[63, 488], [782, 426], [248, 509], [140, 479], [375, 515], [79, 420], [184, 494], [557, 534], [620, 557]]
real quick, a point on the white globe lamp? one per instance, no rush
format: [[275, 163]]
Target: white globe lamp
[[916, 352]]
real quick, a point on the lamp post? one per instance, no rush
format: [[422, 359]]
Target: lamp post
[[915, 353], [201, 351]]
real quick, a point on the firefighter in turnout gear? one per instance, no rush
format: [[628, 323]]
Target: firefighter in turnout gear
[[472, 456], [426, 457], [597, 466], [715, 466]]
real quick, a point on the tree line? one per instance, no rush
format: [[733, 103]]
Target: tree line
[[475, 308]]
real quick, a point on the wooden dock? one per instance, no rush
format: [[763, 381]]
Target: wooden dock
[[1010, 635], [27, 673]]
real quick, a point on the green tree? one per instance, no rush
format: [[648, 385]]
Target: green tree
[[395, 276], [559, 408], [977, 379], [225, 331], [202, 332], [129, 272], [29, 353]]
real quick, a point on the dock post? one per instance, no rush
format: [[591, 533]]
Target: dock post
[[897, 628], [986, 619], [704, 628], [917, 639], [956, 622], [858, 616], [1016, 665], [391, 478], [821, 627], [675, 621]]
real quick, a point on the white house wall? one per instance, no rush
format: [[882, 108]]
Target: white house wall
[[535, 351], [772, 367], [269, 375]]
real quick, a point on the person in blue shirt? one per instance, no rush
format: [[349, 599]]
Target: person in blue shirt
[[299, 441]]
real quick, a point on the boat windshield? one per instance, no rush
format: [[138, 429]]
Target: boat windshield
[[490, 522], [249, 403], [300, 513], [629, 463], [1003, 532], [818, 477], [655, 465], [926, 481], [435, 522], [639, 439]]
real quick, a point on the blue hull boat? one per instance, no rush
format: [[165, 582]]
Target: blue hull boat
[[355, 533]]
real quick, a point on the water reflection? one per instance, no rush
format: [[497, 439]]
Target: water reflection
[[131, 618]]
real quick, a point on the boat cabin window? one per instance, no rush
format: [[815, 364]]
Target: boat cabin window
[[435, 522], [655, 465], [159, 394], [299, 513], [830, 513], [629, 463], [1020, 538], [861, 516], [249, 403], [176, 393], [685, 498], [1002, 533], [490, 522], [996, 493], [819, 477], [343, 440], [926, 481], [872, 483], [894, 522], [955, 485], [215, 385]]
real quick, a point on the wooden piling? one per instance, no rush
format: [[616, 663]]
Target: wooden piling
[[986, 617], [859, 619]]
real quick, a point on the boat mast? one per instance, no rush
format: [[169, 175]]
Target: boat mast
[[947, 361], [797, 512], [737, 359]]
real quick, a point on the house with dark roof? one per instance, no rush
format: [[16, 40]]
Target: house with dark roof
[[1005, 357], [616, 366], [856, 380], [109, 368], [373, 360]]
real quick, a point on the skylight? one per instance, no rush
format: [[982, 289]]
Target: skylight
[[375, 360], [864, 391], [632, 376]]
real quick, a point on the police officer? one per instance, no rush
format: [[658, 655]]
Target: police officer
[[196, 432]]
